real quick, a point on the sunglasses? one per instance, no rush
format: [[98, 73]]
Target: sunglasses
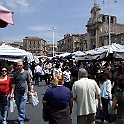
[[19, 65], [4, 71]]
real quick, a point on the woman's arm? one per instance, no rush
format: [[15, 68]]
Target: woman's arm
[[114, 104]]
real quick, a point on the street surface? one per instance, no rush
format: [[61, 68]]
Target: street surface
[[34, 114]]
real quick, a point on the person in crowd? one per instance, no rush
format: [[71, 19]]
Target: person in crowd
[[5, 90], [27, 67], [118, 101], [60, 102], [67, 75], [48, 71], [106, 95], [116, 75], [37, 71], [57, 70], [85, 91], [74, 74], [108, 70], [32, 69], [20, 87]]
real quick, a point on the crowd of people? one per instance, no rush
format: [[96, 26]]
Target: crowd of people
[[91, 85]]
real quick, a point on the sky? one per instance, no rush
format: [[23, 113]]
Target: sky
[[37, 17]]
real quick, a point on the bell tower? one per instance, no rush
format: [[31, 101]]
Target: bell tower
[[94, 25]]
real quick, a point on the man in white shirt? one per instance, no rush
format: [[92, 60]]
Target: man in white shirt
[[85, 92], [37, 72]]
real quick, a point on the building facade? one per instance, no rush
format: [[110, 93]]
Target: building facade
[[97, 33], [70, 43], [49, 49], [35, 45], [98, 28]]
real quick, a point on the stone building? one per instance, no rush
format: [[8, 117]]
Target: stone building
[[49, 48], [98, 28], [16, 45], [70, 43], [35, 45], [97, 34]]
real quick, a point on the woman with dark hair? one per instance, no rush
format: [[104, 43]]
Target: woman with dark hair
[[118, 101], [60, 102], [105, 96], [5, 90]]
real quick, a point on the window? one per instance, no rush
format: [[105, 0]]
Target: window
[[111, 19], [122, 40], [103, 18]]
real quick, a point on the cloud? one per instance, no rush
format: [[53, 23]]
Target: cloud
[[20, 6], [39, 28], [13, 38]]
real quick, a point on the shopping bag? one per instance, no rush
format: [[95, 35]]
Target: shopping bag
[[110, 111], [34, 99], [12, 105]]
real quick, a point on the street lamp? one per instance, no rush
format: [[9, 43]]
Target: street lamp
[[53, 29], [109, 27]]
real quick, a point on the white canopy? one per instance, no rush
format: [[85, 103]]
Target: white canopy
[[14, 54], [119, 54], [99, 53]]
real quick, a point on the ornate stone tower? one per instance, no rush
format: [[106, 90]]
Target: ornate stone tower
[[94, 26], [98, 28]]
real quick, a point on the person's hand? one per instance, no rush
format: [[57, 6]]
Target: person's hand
[[100, 105], [29, 94], [11, 95]]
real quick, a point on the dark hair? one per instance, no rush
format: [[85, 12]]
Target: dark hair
[[57, 65], [2, 68], [121, 81], [106, 76]]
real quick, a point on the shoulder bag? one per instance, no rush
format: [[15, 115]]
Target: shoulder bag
[[46, 112]]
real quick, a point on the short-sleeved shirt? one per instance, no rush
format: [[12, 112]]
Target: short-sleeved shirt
[[21, 79], [120, 111], [57, 71], [5, 86], [67, 76], [85, 91], [58, 96]]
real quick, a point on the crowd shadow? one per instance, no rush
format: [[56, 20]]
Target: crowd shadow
[[11, 121], [15, 121]]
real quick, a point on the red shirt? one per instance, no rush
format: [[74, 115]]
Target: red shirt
[[5, 86]]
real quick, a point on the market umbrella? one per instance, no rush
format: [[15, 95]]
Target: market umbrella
[[6, 17]]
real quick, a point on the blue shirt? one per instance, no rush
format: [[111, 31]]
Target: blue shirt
[[58, 96], [74, 71]]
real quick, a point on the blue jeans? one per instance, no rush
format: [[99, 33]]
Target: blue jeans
[[37, 80], [4, 113], [21, 100]]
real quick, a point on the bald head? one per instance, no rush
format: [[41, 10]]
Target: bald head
[[82, 73]]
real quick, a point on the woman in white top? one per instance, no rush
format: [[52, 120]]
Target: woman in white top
[[57, 70], [105, 96], [67, 76]]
